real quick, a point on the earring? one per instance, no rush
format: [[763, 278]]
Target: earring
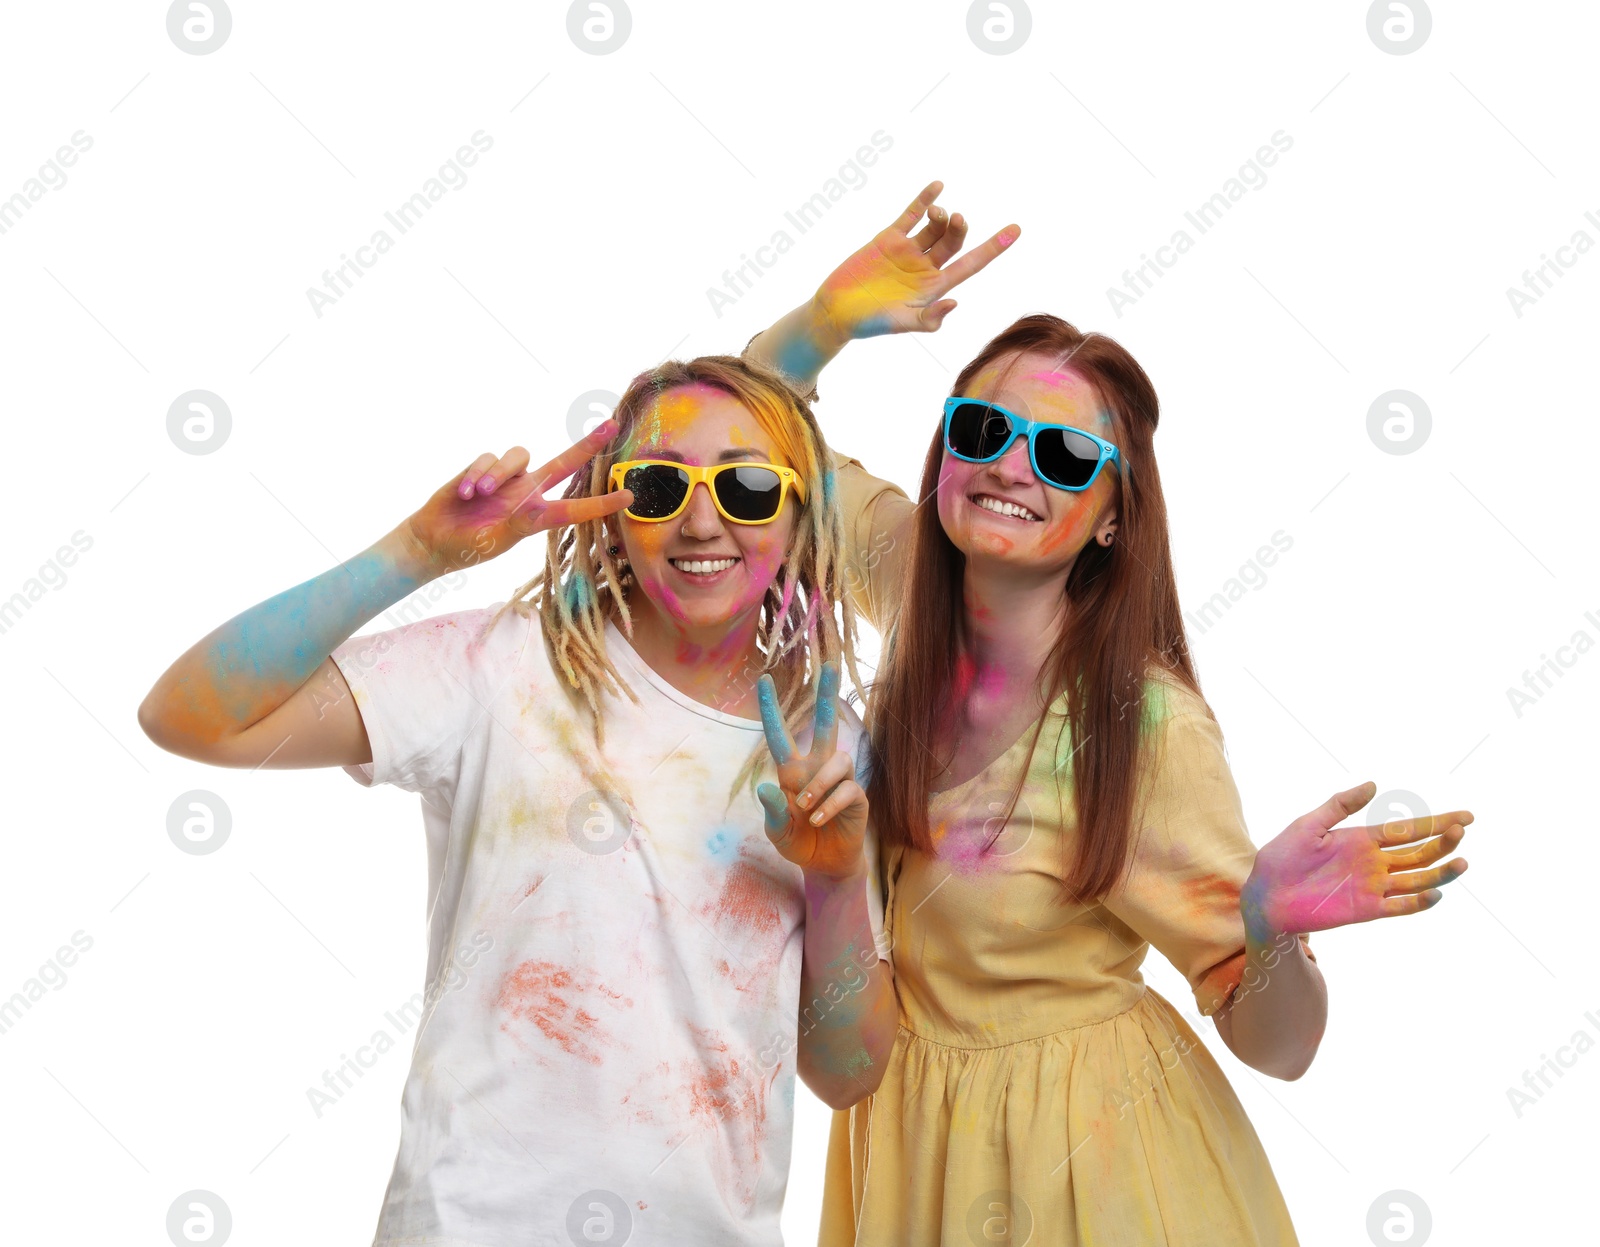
[[1108, 539]]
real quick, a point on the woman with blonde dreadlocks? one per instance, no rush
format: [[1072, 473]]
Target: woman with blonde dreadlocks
[[620, 939]]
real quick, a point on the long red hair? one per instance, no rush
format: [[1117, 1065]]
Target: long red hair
[[1122, 625]]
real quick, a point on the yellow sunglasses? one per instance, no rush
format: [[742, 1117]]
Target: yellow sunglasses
[[745, 493]]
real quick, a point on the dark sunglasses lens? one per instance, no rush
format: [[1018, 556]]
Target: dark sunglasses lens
[[749, 493], [978, 431], [658, 490], [1066, 457]]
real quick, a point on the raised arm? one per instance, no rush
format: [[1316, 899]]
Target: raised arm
[[261, 690], [895, 284]]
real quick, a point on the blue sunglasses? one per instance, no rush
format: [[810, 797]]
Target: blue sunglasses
[[1068, 458]]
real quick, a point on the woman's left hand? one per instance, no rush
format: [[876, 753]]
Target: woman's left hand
[[1315, 876], [818, 818]]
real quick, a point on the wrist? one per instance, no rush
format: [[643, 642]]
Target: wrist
[[1259, 927], [827, 335], [824, 886], [409, 555]]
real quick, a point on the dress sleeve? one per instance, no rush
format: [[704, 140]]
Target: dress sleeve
[[877, 535], [877, 538], [1192, 857], [417, 688]]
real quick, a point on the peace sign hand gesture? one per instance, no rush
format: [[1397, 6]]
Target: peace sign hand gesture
[[897, 282], [828, 842], [496, 502], [1315, 876]]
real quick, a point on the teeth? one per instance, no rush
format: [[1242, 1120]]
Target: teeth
[[703, 566], [1005, 508]]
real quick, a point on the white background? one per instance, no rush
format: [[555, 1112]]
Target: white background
[[1418, 588]]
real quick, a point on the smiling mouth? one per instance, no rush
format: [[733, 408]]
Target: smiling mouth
[[1010, 510], [703, 567]]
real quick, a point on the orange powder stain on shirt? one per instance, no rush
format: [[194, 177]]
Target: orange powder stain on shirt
[[730, 1097], [726, 1091], [720, 1093], [551, 998], [751, 898], [750, 904]]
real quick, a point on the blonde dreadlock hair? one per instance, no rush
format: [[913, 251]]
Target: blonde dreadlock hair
[[583, 586]]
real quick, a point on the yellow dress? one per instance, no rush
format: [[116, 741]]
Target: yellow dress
[[1038, 1091]]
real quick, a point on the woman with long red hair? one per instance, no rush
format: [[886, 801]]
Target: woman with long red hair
[[1052, 797]]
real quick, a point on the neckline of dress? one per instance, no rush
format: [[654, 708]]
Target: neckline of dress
[[1056, 707]]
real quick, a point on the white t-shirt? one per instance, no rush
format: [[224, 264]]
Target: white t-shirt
[[607, 1043]]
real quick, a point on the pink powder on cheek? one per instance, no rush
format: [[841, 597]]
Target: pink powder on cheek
[[761, 568], [663, 597], [955, 478]]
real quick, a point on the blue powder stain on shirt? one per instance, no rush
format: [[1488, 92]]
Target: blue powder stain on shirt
[[723, 843]]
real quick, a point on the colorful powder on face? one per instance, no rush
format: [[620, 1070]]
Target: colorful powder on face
[[762, 562], [1067, 526], [672, 411], [685, 421], [1052, 396], [1068, 529]]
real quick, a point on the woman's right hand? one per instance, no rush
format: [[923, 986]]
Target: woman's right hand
[[829, 844], [897, 282], [485, 510]]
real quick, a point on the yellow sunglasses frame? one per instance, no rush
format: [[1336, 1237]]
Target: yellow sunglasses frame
[[788, 479]]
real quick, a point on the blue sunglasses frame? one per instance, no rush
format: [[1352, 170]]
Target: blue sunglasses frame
[[1022, 427]]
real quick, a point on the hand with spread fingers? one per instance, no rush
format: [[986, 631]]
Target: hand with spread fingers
[[1315, 875], [816, 813], [496, 502], [897, 282]]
